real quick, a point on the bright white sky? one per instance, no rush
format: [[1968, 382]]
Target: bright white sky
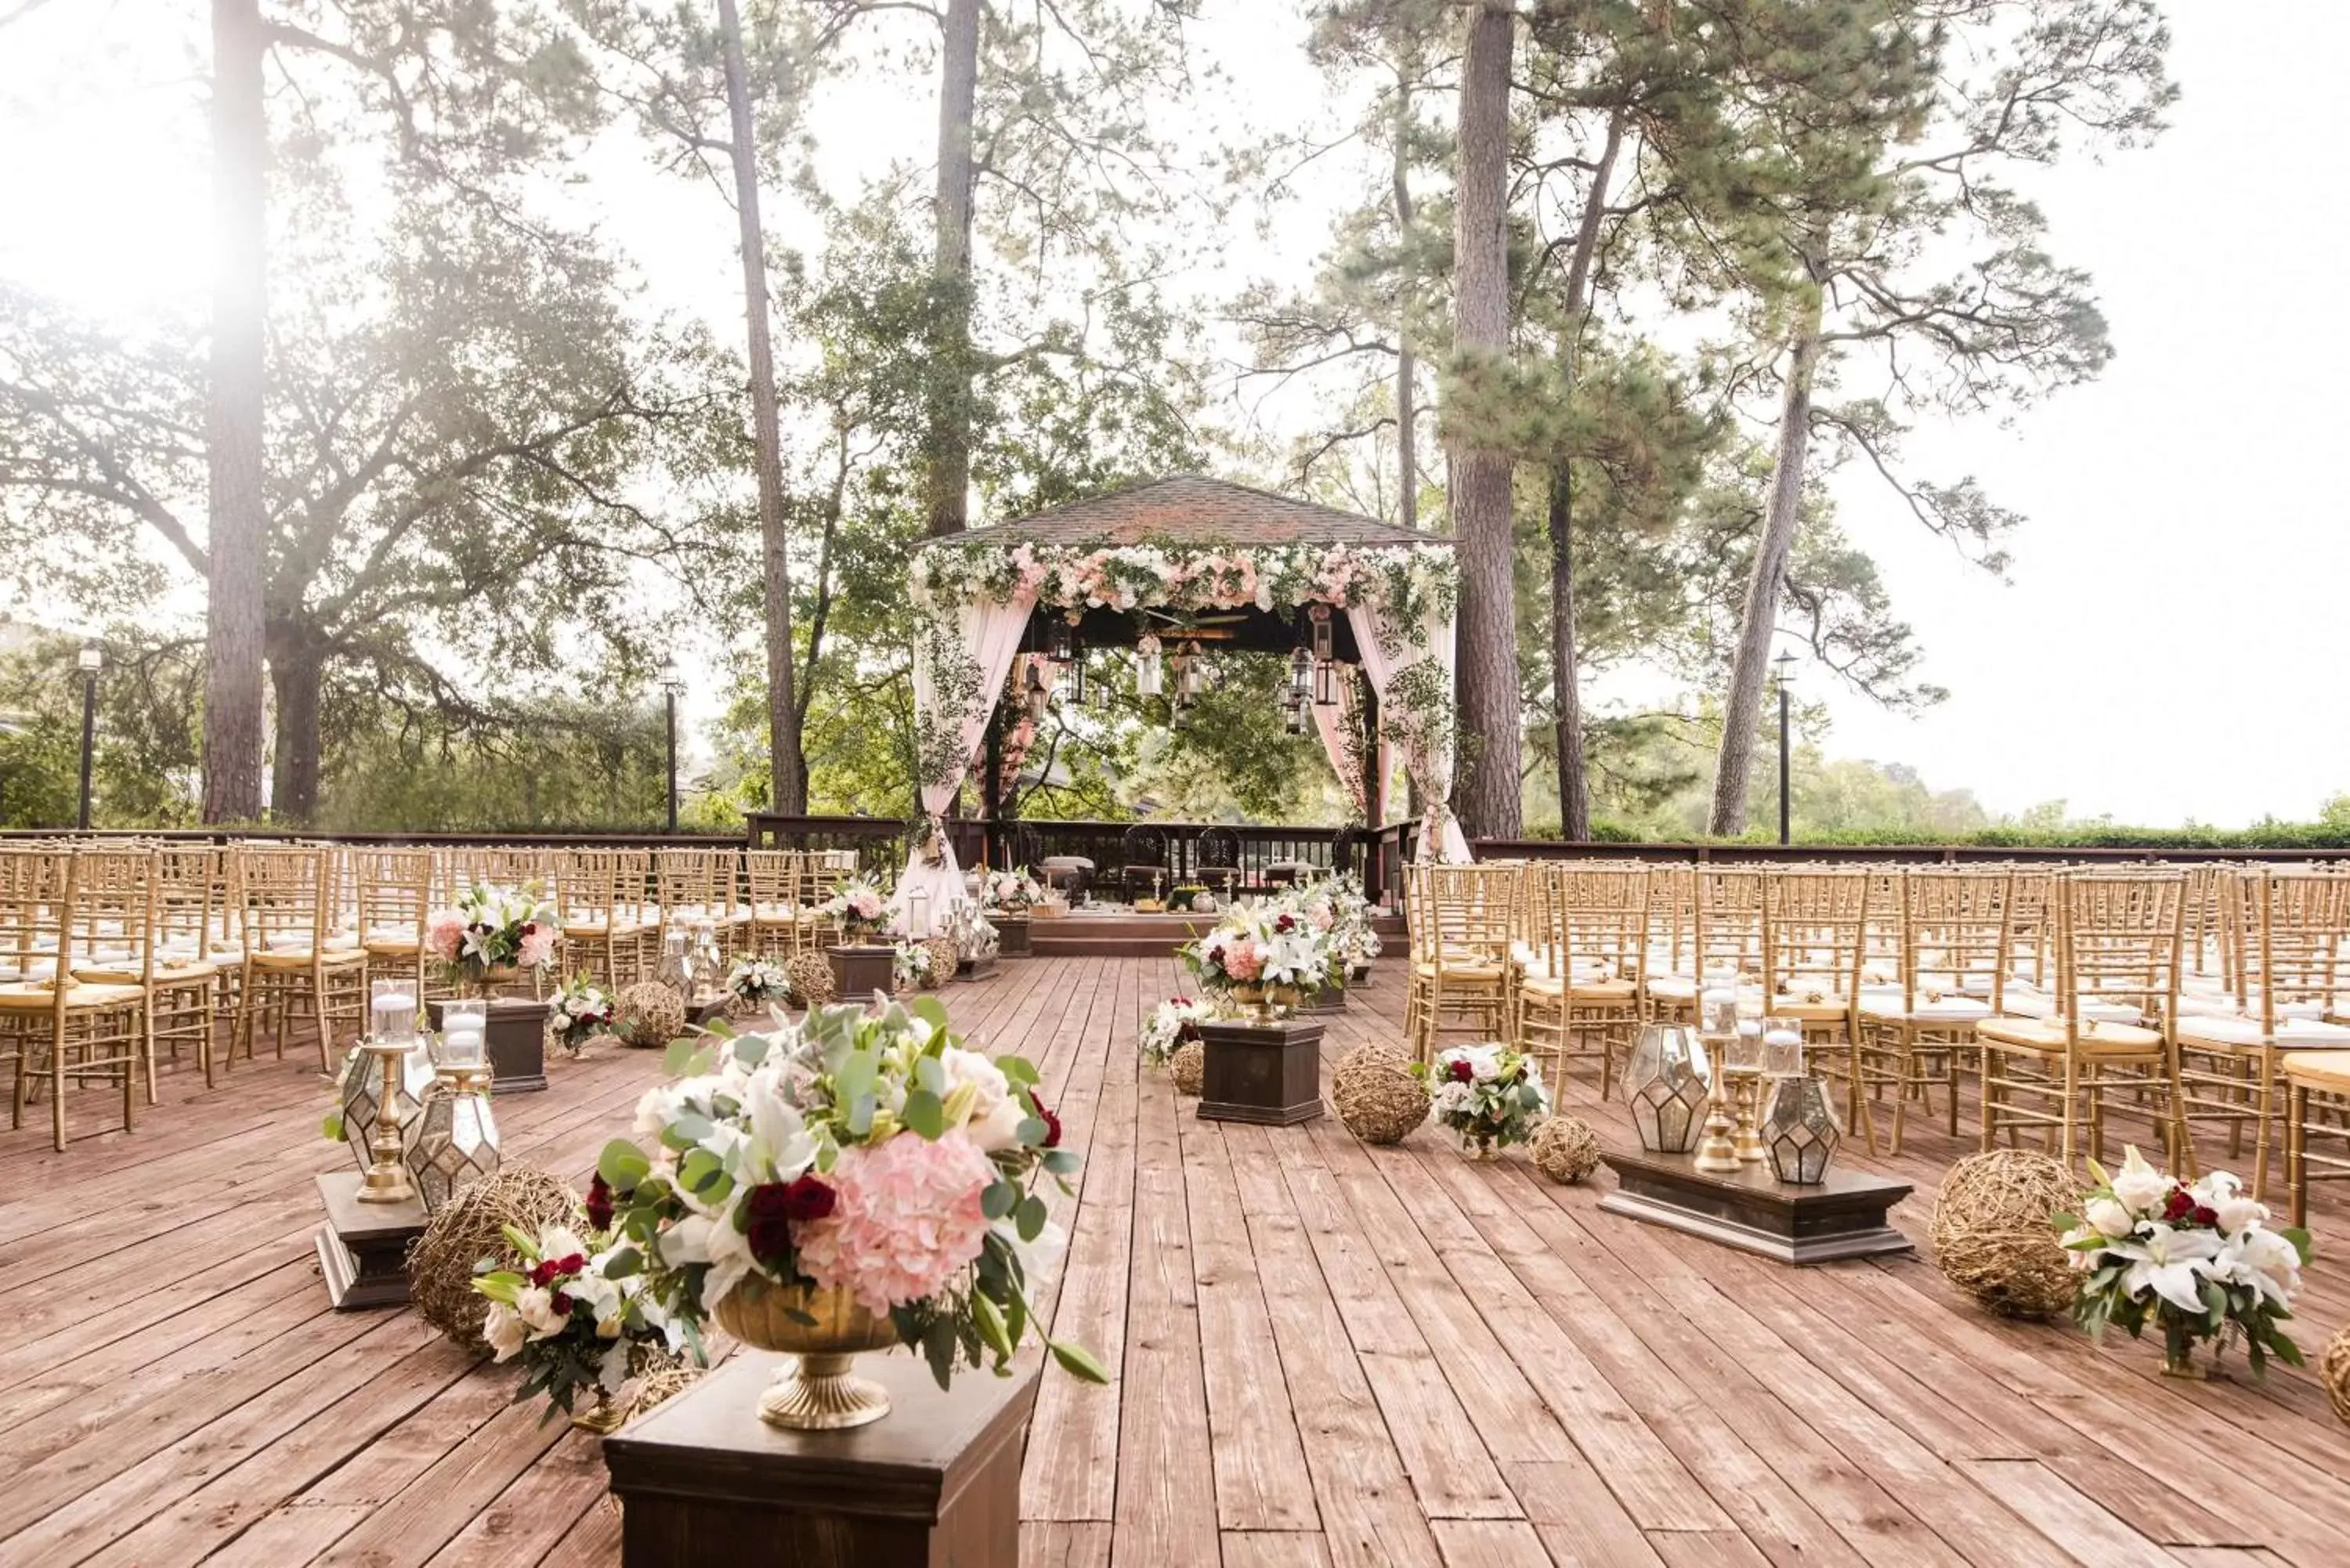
[[2167, 646]]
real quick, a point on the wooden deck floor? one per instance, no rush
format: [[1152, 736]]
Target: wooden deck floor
[[1326, 1355]]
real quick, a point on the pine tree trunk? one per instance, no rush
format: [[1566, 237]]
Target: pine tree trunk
[[296, 671], [1574, 797], [1407, 362], [1486, 794], [1751, 670], [947, 479], [788, 777], [237, 535], [1565, 677]]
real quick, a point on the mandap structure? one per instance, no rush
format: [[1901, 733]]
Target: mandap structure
[[1171, 568]]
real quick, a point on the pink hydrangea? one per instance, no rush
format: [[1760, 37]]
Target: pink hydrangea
[[907, 1220], [445, 932], [1241, 961], [536, 948]]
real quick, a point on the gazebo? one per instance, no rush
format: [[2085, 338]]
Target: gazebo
[[1172, 562]]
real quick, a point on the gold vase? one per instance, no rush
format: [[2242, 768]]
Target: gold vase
[[818, 1392], [1250, 1000], [603, 1418]]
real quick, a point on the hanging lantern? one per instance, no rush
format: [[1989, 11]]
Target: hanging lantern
[[1318, 618], [1146, 665], [1325, 683], [1299, 721], [1183, 698], [1195, 670], [1077, 681], [1103, 689], [1038, 694], [1301, 675], [1061, 642]]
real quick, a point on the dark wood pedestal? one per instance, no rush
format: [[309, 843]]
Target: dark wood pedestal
[[363, 1247], [515, 1039], [933, 1484], [1269, 1073], [977, 967], [1842, 1217], [1329, 999], [859, 971], [1011, 936]]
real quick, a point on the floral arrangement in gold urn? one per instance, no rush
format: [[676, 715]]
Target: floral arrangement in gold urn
[[847, 1183]]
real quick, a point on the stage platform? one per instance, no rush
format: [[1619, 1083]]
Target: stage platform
[[1114, 931]]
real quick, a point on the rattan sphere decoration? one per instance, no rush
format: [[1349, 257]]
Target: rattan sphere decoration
[[469, 1229], [1566, 1150], [2334, 1372], [1188, 1066], [946, 957], [1378, 1095], [672, 1377], [810, 973], [1991, 1235], [650, 1015]]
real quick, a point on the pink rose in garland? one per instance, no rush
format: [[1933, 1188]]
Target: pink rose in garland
[[906, 1220]]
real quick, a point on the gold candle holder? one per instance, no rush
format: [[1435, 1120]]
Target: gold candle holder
[[1716, 1151], [387, 1173], [1748, 1139]]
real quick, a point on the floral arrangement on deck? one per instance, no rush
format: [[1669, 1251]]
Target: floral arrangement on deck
[[1175, 1022], [1013, 892], [874, 1156], [858, 905], [1337, 903], [757, 982], [2198, 1262], [580, 1013], [492, 931], [577, 1317], [1488, 1093], [1264, 945], [912, 966]]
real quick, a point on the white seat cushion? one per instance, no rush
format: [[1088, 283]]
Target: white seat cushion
[[1946, 1009], [2292, 1032]]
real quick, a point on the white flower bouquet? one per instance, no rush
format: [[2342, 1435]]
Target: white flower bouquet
[[1171, 1024], [1013, 892], [579, 1013], [2198, 1263], [858, 905], [1488, 1093], [757, 982], [911, 967], [876, 1157], [1265, 945], [492, 931], [578, 1318], [1336, 904]]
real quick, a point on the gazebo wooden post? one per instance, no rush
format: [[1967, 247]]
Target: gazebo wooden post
[[1375, 793], [991, 788]]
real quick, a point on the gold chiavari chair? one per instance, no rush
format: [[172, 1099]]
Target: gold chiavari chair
[[2317, 1123], [2229, 1064], [602, 908], [1952, 968], [1579, 993], [54, 1026], [1463, 920], [1724, 941], [2032, 930], [772, 876], [392, 892], [1815, 932], [186, 991], [2116, 953], [146, 913], [293, 958]]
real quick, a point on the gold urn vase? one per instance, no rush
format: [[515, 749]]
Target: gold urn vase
[[819, 1392]]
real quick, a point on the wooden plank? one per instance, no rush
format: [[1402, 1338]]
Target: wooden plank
[[2092, 1533], [1268, 1549], [1489, 1543], [1063, 1544], [1706, 1549]]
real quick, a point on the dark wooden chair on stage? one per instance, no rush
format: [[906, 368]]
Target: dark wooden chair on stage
[[1218, 866], [1143, 850]]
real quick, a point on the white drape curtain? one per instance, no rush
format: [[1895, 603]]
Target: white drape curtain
[[1440, 838], [990, 633]]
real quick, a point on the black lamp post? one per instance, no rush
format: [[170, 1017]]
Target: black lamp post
[[89, 662], [1784, 667], [670, 685]]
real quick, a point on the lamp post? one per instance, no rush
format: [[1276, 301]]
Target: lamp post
[[672, 684], [1784, 668], [89, 660]]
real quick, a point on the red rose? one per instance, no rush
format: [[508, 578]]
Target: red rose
[[561, 1303], [775, 1207], [809, 1198], [1463, 1072], [1283, 924], [1052, 1123], [599, 1204], [2177, 1206], [2206, 1215], [546, 1270]]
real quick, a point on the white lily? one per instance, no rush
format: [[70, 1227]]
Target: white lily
[[2169, 1263], [2109, 1218], [2140, 1188]]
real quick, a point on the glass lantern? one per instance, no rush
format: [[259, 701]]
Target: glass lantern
[[465, 1035], [1782, 1048], [392, 1011], [1802, 1130], [456, 1139], [361, 1090], [709, 965], [1666, 1086], [675, 969], [1147, 665]]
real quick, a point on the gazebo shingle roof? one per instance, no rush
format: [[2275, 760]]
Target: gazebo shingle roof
[[1191, 508]]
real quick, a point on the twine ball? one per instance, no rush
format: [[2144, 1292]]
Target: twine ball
[[1991, 1235], [663, 1382], [1566, 1150], [946, 957], [2334, 1372], [1378, 1095], [810, 974], [1188, 1066], [650, 1015], [470, 1228]]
